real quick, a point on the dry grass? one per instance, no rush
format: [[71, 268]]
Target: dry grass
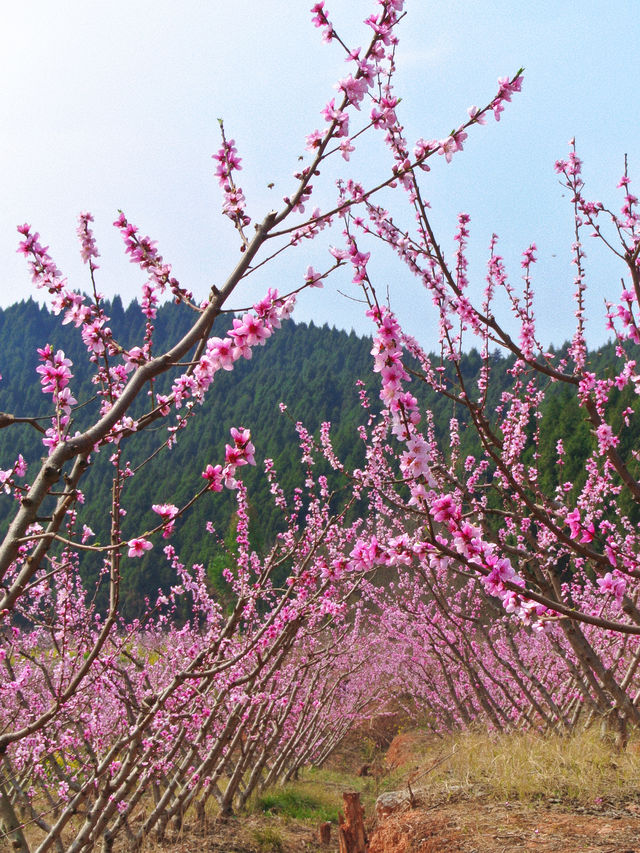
[[582, 769]]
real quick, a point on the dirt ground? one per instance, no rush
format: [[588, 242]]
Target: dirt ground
[[463, 827], [456, 822], [477, 827], [247, 834], [473, 824], [466, 826]]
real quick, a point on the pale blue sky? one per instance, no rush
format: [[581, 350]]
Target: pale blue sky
[[109, 105]]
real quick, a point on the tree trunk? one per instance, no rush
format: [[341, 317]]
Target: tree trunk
[[10, 825]]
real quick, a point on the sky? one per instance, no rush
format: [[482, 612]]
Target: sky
[[113, 105]]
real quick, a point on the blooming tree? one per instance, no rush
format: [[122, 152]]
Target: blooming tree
[[236, 699], [558, 559]]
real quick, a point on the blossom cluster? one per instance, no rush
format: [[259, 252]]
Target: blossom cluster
[[221, 353], [240, 453], [234, 205], [55, 374], [143, 251]]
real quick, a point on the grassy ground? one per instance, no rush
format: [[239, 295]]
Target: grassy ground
[[583, 774], [583, 769]]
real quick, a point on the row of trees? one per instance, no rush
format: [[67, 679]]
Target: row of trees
[[466, 582]]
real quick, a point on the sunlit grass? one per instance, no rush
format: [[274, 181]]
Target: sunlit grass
[[299, 801], [582, 768]]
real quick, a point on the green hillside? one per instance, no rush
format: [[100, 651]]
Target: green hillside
[[312, 370]]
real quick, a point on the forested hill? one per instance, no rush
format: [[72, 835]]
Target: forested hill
[[312, 370]]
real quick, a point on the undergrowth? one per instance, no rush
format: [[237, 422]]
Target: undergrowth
[[582, 768], [298, 801], [578, 770]]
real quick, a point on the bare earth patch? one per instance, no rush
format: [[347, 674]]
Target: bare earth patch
[[461, 827], [453, 813], [406, 748], [480, 827], [245, 834]]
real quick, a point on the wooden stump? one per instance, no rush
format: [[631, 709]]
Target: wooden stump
[[324, 833], [351, 834]]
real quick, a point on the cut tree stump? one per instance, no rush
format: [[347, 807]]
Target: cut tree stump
[[324, 833], [351, 833]]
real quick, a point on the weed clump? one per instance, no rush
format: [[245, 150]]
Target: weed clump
[[268, 839]]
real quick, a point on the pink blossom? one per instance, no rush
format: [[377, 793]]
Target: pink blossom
[[502, 572], [314, 140], [588, 533], [475, 114], [445, 509], [87, 533], [341, 119], [214, 476], [606, 438], [354, 89], [573, 520], [321, 19], [137, 547], [612, 584], [94, 336], [55, 371], [346, 148], [497, 108], [222, 351], [249, 331], [312, 278], [88, 248], [165, 511], [20, 466], [468, 540], [5, 479], [242, 453]]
